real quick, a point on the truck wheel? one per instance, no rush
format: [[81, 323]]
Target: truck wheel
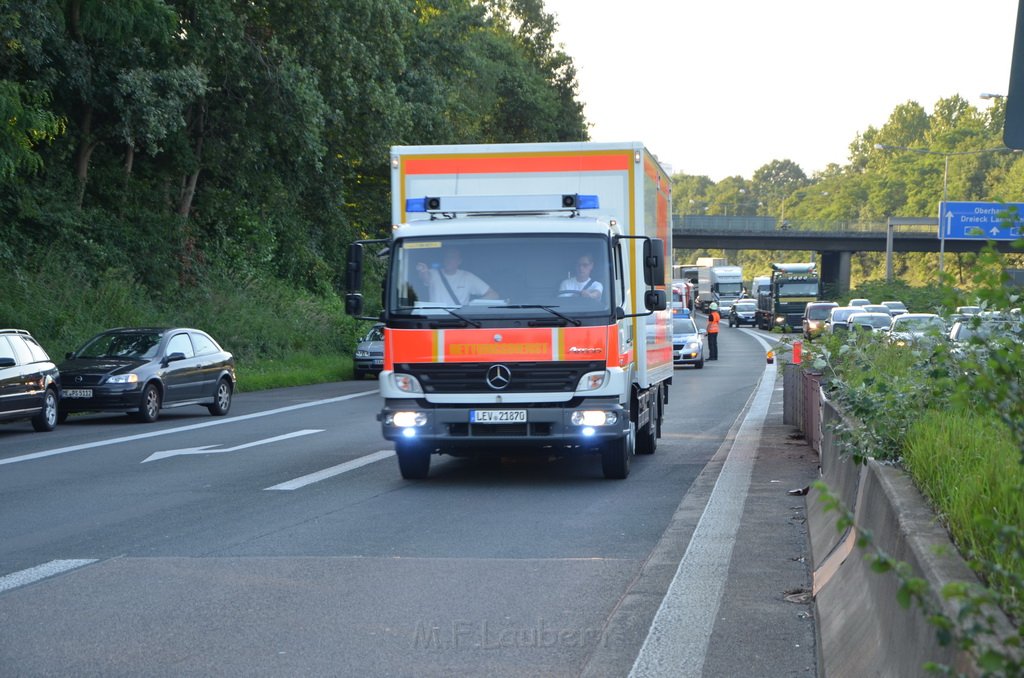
[[647, 438], [616, 454], [413, 459]]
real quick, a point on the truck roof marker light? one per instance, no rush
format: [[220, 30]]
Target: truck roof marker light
[[495, 205]]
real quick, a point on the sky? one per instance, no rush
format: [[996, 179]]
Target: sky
[[723, 87]]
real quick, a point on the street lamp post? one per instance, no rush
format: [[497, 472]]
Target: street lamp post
[[945, 176]]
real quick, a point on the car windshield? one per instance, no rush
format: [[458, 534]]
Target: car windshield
[[375, 334], [683, 326], [133, 345], [964, 331], [745, 306], [819, 312], [502, 276], [895, 305], [875, 320], [841, 314], [917, 324]]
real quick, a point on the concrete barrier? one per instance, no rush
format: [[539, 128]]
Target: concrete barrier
[[862, 629]]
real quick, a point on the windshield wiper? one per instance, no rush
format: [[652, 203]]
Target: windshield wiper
[[552, 311], [445, 308]]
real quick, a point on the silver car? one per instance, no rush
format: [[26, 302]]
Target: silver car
[[369, 355], [912, 328], [687, 342]]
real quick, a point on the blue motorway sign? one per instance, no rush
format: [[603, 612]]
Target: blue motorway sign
[[980, 220]]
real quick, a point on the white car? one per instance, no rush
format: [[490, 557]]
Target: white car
[[911, 328], [869, 321], [896, 307]]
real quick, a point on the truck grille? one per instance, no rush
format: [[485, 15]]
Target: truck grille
[[525, 377]]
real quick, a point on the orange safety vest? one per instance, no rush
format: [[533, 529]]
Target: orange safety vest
[[713, 319]]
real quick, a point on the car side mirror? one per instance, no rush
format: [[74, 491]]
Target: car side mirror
[[7, 362], [174, 357]]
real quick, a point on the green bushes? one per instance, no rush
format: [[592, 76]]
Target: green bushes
[[966, 463], [280, 336]]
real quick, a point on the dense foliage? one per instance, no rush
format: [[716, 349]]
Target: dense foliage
[[151, 146], [953, 416], [874, 184]]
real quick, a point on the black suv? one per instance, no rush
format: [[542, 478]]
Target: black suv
[[29, 381]]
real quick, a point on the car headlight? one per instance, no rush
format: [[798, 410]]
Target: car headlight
[[130, 378], [360, 353], [692, 346]]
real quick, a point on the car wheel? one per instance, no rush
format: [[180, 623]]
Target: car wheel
[[149, 408], [617, 454], [413, 459], [46, 420], [221, 399]]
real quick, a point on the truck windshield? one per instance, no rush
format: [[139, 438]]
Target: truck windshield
[[800, 288], [557, 275], [730, 289]]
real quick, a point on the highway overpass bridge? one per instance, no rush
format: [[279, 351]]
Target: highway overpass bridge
[[834, 243]]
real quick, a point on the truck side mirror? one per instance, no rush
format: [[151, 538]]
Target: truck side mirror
[[654, 261], [354, 269], [354, 303], [656, 300]]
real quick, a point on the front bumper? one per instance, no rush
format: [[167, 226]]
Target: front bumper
[[448, 429], [105, 399]]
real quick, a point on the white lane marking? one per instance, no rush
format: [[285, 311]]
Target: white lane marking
[[169, 431], [677, 641], [208, 449], [34, 574], [333, 471]]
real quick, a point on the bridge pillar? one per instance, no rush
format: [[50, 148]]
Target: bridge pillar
[[835, 273]]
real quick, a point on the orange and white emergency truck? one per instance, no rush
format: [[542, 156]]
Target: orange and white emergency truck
[[524, 302]]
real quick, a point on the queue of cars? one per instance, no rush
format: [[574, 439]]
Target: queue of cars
[[140, 370]]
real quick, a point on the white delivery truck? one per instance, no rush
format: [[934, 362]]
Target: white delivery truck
[[721, 284], [524, 302]]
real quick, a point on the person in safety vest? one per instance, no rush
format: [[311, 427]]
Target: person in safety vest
[[714, 317]]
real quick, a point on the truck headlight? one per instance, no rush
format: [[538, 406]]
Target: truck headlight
[[780, 319], [406, 383], [592, 381], [594, 418], [406, 419]]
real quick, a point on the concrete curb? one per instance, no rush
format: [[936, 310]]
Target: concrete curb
[[863, 631]]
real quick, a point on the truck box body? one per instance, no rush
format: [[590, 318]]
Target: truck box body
[[511, 361]]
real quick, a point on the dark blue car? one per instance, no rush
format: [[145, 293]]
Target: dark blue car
[[145, 369]]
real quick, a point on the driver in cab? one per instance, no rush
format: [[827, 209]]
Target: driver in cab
[[582, 284]]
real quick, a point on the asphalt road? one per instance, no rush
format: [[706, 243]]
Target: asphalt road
[[282, 541]]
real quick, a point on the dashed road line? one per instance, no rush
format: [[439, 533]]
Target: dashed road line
[[332, 471], [179, 429], [34, 574]]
